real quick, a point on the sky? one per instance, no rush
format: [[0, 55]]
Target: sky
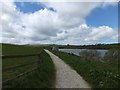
[[75, 23]]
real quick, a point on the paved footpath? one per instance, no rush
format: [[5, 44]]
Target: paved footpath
[[66, 77]]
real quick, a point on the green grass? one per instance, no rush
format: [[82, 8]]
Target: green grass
[[14, 72], [13, 61], [11, 49], [43, 77], [98, 75]]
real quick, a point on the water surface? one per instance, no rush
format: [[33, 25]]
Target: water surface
[[77, 51]]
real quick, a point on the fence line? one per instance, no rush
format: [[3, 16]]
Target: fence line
[[18, 76], [18, 56], [20, 65]]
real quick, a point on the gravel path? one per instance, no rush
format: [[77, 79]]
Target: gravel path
[[66, 77]]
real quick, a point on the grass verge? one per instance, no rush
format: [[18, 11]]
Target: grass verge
[[40, 78], [98, 75]]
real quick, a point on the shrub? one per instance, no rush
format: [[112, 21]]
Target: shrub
[[111, 55], [90, 54]]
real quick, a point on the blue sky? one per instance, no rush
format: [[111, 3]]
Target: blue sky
[[99, 16], [104, 16], [29, 7]]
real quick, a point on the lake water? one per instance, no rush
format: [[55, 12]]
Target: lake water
[[77, 51]]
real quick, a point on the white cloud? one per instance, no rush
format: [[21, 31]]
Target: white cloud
[[62, 0], [66, 25], [100, 33], [86, 34]]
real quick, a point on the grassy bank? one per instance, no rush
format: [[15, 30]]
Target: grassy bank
[[40, 78], [11, 49], [97, 74]]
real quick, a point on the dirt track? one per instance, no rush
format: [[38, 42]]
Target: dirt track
[[66, 77]]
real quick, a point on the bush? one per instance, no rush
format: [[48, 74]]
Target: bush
[[111, 55], [90, 54]]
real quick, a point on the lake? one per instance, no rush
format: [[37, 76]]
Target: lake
[[77, 51]]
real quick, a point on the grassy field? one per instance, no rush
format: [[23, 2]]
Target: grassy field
[[97, 74], [11, 49], [42, 77]]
